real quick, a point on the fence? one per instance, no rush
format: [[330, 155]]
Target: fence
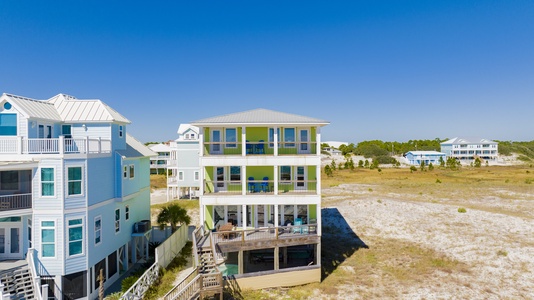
[[168, 250]]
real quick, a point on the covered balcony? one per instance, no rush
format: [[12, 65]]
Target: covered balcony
[[61, 145], [15, 202]]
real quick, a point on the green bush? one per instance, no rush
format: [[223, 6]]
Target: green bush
[[128, 282], [385, 159], [438, 181], [462, 210], [413, 169]]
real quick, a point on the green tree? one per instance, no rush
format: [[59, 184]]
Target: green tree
[[328, 171], [441, 162], [366, 164], [360, 163], [478, 163], [174, 215], [430, 167], [333, 165], [413, 169], [422, 165]]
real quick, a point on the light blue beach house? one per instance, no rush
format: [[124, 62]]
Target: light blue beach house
[[468, 148], [184, 170], [73, 187], [428, 157]]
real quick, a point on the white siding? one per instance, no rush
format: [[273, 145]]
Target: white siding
[[48, 203], [52, 265]]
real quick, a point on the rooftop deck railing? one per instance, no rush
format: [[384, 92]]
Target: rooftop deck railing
[[61, 145], [14, 202]]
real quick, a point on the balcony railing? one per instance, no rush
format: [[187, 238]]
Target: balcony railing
[[13, 202], [61, 145], [261, 187], [264, 233], [259, 148]]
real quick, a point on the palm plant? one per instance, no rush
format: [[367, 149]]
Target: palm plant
[[173, 214]]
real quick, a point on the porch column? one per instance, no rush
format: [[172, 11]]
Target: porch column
[[318, 179], [244, 177], [275, 142], [244, 216], [201, 141], [61, 146], [276, 255], [240, 262], [276, 221], [243, 141], [275, 174], [318, 141], [319, 219]]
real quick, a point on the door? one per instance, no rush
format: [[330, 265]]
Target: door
[[10, 242], [304, 139], [300, 178], [220, 183], [216, 139]]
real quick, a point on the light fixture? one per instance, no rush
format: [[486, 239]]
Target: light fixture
[[33, 124]]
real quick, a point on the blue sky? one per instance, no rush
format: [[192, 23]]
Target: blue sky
[[389, 70]]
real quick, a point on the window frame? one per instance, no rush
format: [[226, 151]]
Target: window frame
[[131, 171], [50, 228], [127, 212], [117, 221], [286, 181], [99, 230], [227, 143], [53, 182], [121, 131], [81, 240], [197, 176], [236, 181], [81, 180], [125, 172], [181, 176], [289, 143], [10, 128]]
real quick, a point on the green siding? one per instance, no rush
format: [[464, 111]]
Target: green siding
[[259, 172], [255, 134], [208, 213], [312, 211]]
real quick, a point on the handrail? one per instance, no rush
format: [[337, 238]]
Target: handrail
[[32, 263], [139, 288], [177, 289], [264, 233]]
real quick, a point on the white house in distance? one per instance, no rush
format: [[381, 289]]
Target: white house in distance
[[429, 157], [158, 164], [72, 185], [468, 148], [184, 171], [260, 196]]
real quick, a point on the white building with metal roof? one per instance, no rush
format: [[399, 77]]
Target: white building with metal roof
[[469, 148]]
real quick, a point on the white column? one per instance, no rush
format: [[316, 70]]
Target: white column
[[318, 139], [244, 177], [275, 138], [276, 221], [244, 216], [275, 180], [243, 141], [319, 219], [201, 141], [318, 179]]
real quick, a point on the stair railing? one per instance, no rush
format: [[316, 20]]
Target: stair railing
[[33, 264]]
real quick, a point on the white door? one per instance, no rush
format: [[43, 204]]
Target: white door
[[10, 242], [304, 141], [300, 178], [216, 139], [220, 183]]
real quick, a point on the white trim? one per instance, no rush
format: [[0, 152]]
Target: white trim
[[94, 230], [41, 238], [82, 180], [41, 182], [115, 221], [67, 235]]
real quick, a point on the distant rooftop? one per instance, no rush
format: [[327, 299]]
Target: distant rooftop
[[468, 140], [260, 117], [426, 153]]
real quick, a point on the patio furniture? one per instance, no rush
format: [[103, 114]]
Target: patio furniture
[[298, 226], [260, 147], [249, 147], [251, 185], [265, 184]]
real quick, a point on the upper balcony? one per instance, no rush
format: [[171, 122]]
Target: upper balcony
[[258, 148], [15, 202], [43, 146]]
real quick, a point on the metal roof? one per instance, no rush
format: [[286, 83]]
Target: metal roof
[[135, 148], [425, 153], [468, 140], [159, 147], [184, 127], [31, 108], [259, 117]]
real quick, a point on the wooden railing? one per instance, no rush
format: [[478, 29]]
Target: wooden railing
[[61, 145], [13, 202], [265, 233], [139, 288], [178, 289]]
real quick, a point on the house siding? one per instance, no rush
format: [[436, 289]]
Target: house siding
[[100, 180]]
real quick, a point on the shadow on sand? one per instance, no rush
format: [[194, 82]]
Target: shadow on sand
[[338, 241]]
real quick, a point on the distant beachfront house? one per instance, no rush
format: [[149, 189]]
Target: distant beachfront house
[[158, 164], [332, 151], [335, 144], [416, 157], [469, 148], [73, 183], [184, 170]]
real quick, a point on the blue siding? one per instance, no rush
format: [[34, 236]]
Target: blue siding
[[100, 179]]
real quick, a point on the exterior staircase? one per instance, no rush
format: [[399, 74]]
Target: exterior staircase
[[17, 283]]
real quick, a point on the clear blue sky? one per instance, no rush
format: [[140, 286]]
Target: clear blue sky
[[389, 70]]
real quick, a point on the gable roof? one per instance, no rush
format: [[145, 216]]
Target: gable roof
[[183, 128], [468, 140], [159, 148], [135, 148], [31, 108], [260, 116]]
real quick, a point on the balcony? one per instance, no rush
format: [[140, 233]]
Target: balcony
[[253, 148], [261, 187], [14, 202], [61, 145]]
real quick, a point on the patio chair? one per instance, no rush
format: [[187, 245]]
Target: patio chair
[[249, 147], [260, 147], [265, 184], [251, 185], [298, 226]]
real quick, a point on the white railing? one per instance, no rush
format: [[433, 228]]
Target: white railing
[[61, 145], [12, 202], [139, 288], [33, 263]]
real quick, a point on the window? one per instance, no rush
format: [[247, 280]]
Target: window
[[7, 106], [192, 136], [66, 130], [8, 124], [125, 173], [47, 182], [75, 227], [289, 137], [48, 239], [127, 213], [29, 233], [180, 175], [117, 220], [74, 180], [231, 136], [285, 173], [271, 136], [132, 171], [98, 230], [121, 129], [9, 180], [197, 175], [235, 173]]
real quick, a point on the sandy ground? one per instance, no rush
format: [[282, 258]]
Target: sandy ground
[[497, 248]]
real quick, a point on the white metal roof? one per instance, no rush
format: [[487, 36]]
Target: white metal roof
[[468, 140], [426, 153], [260, 117], [159, 147], [135, 148], [33, 108]]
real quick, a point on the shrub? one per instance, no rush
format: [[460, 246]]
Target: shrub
[[529, 180], [128, 282], [360, 163], [478, 162], [328, 170], [502, 253], [413, 169], [438, 181], [523, 158], [385, 159], [430, 167], [462, 210]]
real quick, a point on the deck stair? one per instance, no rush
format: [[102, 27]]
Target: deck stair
[[17, 283]]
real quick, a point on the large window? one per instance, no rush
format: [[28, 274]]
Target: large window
[[8, 124], [98, 230], [75, 227], [289, 137], [285, 173], [66, 130], [231, 136], [117, 220], [48, 239], [235, 173], [271, 136], [74, 180], [180, 175], [47, 181], [132, 171], [9, 180]]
